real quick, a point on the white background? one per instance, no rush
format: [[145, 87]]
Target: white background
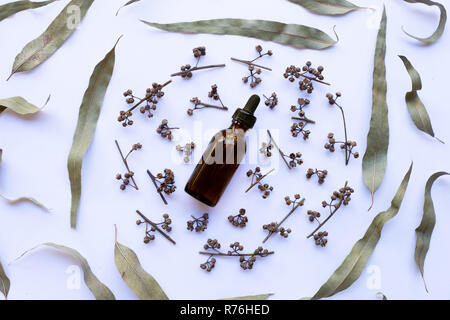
[[36, 150]]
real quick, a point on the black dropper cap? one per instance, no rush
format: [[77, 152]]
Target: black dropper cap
[[245, 116]]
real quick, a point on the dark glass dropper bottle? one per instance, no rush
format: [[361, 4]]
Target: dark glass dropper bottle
[[222, 157]]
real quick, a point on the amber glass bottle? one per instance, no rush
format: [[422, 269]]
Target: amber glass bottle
[[222, 157]]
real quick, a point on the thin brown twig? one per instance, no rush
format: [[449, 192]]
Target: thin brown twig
[[347, 156], [125, 162], [279, 150], [153, 178], [197, 68], [146, 98], [259, 180], [154, 225], [295, 207], [250, 63], [235, 254], [329, 217], [304, 119]]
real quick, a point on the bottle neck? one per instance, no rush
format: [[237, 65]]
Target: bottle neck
[[235, 125]]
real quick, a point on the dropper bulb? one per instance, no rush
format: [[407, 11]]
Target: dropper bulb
[[252, 104]]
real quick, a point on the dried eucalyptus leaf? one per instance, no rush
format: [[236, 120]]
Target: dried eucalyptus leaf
[[41, 48], [375, 158], [352, 267], [442, 21], [417, 111], [328, 7], [87, 122], [5, 283], [137, 279], [9, 9], [297, 36], [255, 297], [98, 289], [126, 4], [382, 295], [19, 105], [425, 229], [25, 199]]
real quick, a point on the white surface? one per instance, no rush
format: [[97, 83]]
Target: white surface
[[36, 149]]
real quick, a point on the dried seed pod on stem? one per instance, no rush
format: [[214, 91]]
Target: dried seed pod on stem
[[257, 177], [293, 158], [187, 151], [198, 104], [246, 260], [165, 131], [151, 227], [186, 70], [127, 179], [253, 68], [321, 174], [346, 145], [198, 224], [152, 96], [240, 220], [271, 101], [306, 75], [164, 183], [338, 198], [275, 227]]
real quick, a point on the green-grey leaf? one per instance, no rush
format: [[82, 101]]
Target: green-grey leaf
[[353, 265], [137, 279], [327, 7], [19, 105], [442, 21], [5, 283], [382, 295], [375, 158], [87, 122], [255, 297], [425, 229], [25, 199], [41, 48], [297, 36], [9, 9], [417, 111], [98, 289], [126, 4]]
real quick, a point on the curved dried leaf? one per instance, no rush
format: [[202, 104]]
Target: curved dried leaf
[[87, 122], [382, 295], [417, 110], [137, 279], [425, 229], [41, 48], [98, 289], [25, 199], [442, 21], [255, 297], [375, 158], [9, 9], [294, 35], [5, 283], [126, 4], [19, 105], [353, 265], [328, 7]]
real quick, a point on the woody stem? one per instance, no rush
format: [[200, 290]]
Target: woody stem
[[197, 68], [125, 162], [154, 225]]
